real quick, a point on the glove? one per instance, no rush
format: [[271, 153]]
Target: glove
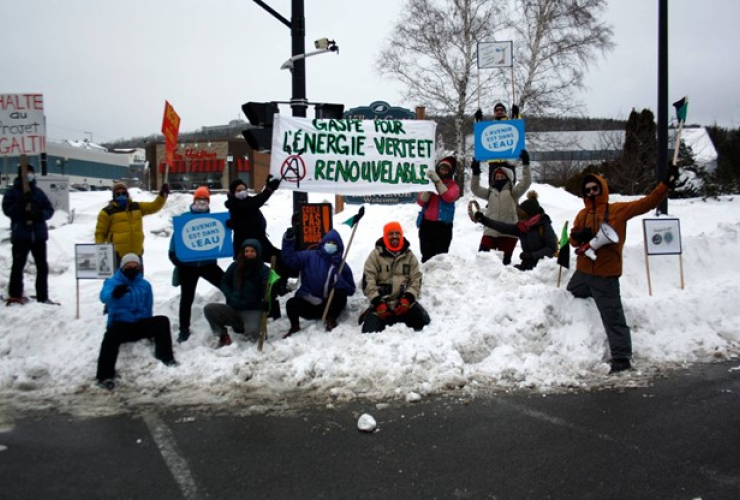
[[478, 216], [514, 111], [382, 310], [524, 156], [432, 176], [525, 256], [476, 167], [583, 236], [120, 291], [403, 307], [164, 191], [479, 115], [290, 233], [272, 183], [671, 175]]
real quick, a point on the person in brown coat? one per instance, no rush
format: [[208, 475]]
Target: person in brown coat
[[599, 278]]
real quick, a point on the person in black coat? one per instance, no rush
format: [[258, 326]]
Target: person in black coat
[[28, 213], [534, 231]]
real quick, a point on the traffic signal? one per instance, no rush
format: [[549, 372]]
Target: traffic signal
[[260, 115], [329, 111]]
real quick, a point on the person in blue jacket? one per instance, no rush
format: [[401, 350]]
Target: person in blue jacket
[[28, 213], [319, 274], [129, 299], [244, 284], [188, 273]]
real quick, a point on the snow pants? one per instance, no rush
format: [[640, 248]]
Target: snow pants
[[298, 307], [605, 292], [20, 256], [220, 316], [417, 318], [434, 238], [156, 327], [189, 276], [502, 243]]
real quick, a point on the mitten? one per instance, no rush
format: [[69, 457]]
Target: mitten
[[583, 236], [403, 307], [478, 216], [525, 256], [120, 291], [671, 175], [514, 111], [476, 167], [272, 183], [382, 310], [164, 191], [290, 233], [479, 115], [524, 156]]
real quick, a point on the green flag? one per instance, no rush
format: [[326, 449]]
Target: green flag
[[272, 278], [352, 221], [682, 107], [564, 252]]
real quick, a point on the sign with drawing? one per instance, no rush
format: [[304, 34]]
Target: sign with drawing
[[495, 54], [94, 262], [662, 236]]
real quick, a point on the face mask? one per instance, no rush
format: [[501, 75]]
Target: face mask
[[200, 206], [30, 177], [131, 273], [330, 248], [242, 195], [499, 184], [121, 200]]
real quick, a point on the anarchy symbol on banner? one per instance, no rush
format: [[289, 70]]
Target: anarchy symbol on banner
[[293, 169]]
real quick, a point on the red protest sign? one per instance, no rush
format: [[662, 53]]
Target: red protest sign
[[170, 129]]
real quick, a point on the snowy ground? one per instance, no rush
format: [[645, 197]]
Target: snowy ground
[[493, 327]]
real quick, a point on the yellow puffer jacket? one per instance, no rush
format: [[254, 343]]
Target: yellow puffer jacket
[[124, 227], [609, 257]]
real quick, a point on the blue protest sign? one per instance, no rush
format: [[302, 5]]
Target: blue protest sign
[[499, 140], [201, 236]]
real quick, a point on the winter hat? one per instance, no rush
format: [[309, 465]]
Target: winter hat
[[130, 257], [120, 186], [392, 226], [531, 206], [29, 169], [499, 105], [202, 192], [451, 161], [234, 184]]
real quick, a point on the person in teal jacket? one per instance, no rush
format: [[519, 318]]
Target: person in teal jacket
[[130, 318], [244, 284]]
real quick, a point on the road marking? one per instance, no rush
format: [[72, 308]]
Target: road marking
[[177, 464]]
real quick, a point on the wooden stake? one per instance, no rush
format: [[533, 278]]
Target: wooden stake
[[263, 321]]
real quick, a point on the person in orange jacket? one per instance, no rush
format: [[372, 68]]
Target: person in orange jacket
[[599, 278]]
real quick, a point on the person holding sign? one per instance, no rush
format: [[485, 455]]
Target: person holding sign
[[599, 277], [188, 273], [319, 274], [122, 224], [28, 209], [534, 231], [392, 281], [438, 210], [244, 284], [129, 299], [502, 197]]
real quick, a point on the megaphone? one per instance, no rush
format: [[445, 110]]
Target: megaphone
[[605, 236]]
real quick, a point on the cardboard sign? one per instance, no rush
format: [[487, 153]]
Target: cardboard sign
[[202, 236], [94, 261], [499, 139], [316, 221]]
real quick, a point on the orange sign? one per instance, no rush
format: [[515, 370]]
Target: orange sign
[[170, 129], [316, 221]]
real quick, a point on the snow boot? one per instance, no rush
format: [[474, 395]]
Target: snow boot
[[620, 365], [224, 340]]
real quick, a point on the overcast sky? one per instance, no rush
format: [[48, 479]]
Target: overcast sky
[[106, 67]]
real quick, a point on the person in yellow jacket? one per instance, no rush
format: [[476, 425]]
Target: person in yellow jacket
[[599, 278], [121, 221]]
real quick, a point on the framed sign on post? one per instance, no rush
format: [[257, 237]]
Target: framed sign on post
[[662, 237], [93, 262]]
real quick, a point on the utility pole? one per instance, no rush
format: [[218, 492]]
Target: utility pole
[[662, 166]]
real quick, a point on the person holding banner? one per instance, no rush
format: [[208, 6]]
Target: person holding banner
[[319, 274], [438, 210], [244, 284], [534, 231], [502, 197], [188, 273], [599, 278], [129, 299], [121, 222], [28, 210], [392, 282]]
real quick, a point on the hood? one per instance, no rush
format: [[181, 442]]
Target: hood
[[250, 242], [332, 235], [234, 184], [603, 198]]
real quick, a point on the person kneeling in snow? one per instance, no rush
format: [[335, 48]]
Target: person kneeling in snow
[[244, 285], [129, 299], [534, 230], [392, 281], [319, 274]]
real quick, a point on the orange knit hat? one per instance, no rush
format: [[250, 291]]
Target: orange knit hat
[[392, 226], [202, 192]]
